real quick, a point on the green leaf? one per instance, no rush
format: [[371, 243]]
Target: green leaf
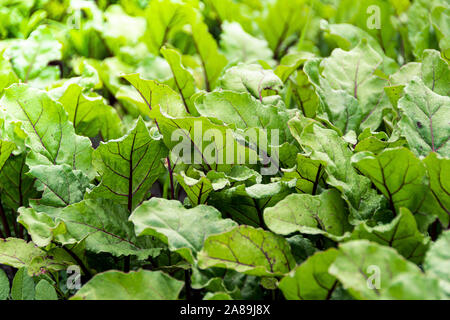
[[423, 119], [184, 230], [60, 184], [6, 147], [435, 72], [118, 38], [41, 227], [217, 296], [16, 185], [136, 285], [361, 262], [152, 93], [437, 201], [4, 286], [376, 142], [440, 16], [247, 250], [30, 57], [326, 146], [251, 78], [196, 185], [164, 18], [311, 280], [22, 286], [398, 174], [291, 63], [128, 166], [212, 61], [437, 262], [307, 172], [247, 204], [240, 109], [350, 87], [104, 227], [401, 234], [410, 286], [323, 214], [18, 253], [90, 115], [282, 20], [45, 291], [238, 45], [203, 141], [51, 136], [184, 81], [7, 74]]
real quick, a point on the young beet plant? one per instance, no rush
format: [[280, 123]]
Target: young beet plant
[[170, 150]]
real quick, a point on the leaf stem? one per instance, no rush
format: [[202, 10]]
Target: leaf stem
[[172, 190], [316, 181], [4, 221]]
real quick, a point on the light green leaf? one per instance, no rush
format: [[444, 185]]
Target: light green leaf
[[361, 264], [251, 78], [7, 74], [398, 174], [435, 72], [4, 286], [51, 136], [18, 253], [90, 115], [41, 227], [203, 141], [60, 184], [283, 19], [244, 111], [196, 185], [30, 57], [16, 186], [238, 45], [291, 63], [164, 18], [212, 61], [136, 285], [326, 146], [247, 204], [350, 86], [437, 201], [152, 93], [437, 262], [401, 234], [104, 227], [311, 280], [307, 173], [413, 286], [128, 166], [423, 122], [247, 250], [324, 214], [184, 230], [217, 296], [45, 291], [6, 147], [22, 286], [183, 79]]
